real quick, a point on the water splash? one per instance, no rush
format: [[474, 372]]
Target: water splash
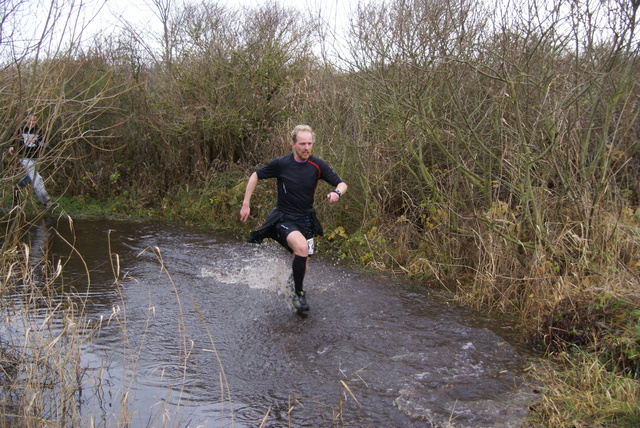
[[267, 268]]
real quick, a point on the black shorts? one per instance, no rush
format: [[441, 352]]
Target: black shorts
[[284, 228]]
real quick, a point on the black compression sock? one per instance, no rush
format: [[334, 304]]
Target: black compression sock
[[299, 266]]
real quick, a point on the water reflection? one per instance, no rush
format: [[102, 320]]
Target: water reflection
[[195, 330]]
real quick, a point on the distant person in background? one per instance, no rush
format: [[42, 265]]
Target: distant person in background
[[30, 148], [293, 222]]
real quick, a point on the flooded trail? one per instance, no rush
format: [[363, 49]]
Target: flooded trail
[[197, 331]]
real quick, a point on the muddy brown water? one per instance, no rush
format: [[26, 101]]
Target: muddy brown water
[[197, 331]]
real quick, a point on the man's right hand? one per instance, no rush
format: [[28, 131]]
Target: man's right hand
[[244, 213]]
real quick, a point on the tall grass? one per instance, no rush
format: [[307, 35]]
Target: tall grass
[[50, 373], [43, 333], [579, 388]]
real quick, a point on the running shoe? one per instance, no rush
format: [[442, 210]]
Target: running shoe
[[300, 302]]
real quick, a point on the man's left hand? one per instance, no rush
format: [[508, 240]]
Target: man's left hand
[[333, 197]]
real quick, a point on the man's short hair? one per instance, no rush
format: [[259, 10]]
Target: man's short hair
[[302, 128]]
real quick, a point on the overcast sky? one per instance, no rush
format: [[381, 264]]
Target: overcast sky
[[50, 25], [140, 12]]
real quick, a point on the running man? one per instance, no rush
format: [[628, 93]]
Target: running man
[[293, 222], [30, 149]]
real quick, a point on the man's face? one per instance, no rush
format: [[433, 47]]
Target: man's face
[[302, 147]]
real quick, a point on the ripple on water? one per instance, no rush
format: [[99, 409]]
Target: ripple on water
[[464, 386]]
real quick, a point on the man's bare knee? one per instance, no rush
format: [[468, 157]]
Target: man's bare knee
[[298, 244]]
